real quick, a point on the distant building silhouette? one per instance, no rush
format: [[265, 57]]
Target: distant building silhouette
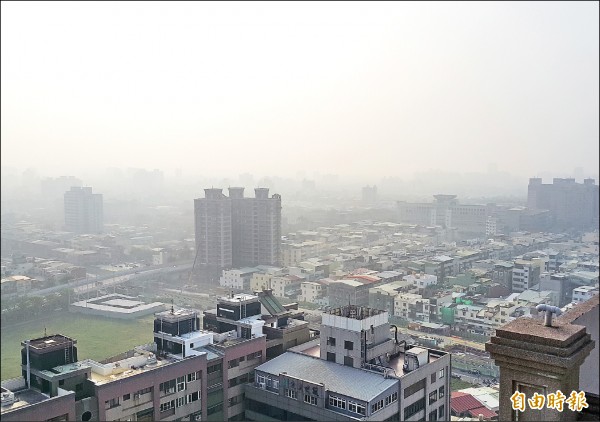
[[369, 194], [571, 204], [83, 210], [55, 187], [472, 219], [236, 231]]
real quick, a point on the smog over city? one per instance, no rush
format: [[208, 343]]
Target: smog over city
[[243, 196]]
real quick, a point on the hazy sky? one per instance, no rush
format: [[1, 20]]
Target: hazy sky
[[363, 89]]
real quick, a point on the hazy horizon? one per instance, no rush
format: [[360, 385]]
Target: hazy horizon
[[365, 91]]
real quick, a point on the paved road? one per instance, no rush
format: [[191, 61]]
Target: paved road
[[118, 279], [474, 379], [445, 339]]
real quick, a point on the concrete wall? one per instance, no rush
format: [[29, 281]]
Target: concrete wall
[[586, 314], [425, 372]]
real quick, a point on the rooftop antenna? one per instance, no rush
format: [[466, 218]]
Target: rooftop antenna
[[172, 308], [45, 332]]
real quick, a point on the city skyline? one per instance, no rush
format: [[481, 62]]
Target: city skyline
[[362, 91], [300, 211]]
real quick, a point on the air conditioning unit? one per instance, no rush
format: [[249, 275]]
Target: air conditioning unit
[[198, 417], [136, 396]]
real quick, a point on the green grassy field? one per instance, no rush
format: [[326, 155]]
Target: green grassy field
[[97, 338], [456, 384]]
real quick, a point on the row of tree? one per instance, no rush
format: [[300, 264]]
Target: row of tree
[[25, 308]]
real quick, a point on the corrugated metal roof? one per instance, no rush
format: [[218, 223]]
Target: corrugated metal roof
[[463, 403], [483, 411], [352, 382]]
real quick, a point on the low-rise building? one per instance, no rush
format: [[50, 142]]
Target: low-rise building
[[421, 281], [583, 293], [262, 313], [344, 292], [238, 279], [318, 380], [525, 275], [311, 291], [17, 284], [382, 296], [412, 307], [286, 286], [186, 374]]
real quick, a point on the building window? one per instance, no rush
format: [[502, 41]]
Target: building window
[[349, 345], [214, 409], [356, 408], [433, 415], [167, 406], [331, 341], [441, 412], [168, 387], [181, 383], [195, 396], [338, 402], [181, 401], [441, 373], [260, 380], [273, 383], [310, 399], [442, 388], [144, 391], [109, 404], [412, 389], [126, 397], [433, 378], [348, 361], [292, 394], [391, 398], [255, 355], [236, 400], [233, 363], [331, 357], [193, 376], [214, 368], [414, 408], [376, 407], [433, 396]]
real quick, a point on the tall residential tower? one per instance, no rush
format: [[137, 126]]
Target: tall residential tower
[[571, 204], [83, 210], [235, 231]]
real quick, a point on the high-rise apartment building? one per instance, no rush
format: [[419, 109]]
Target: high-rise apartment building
[[235, 231], [213, 229], [571, 204], [83, 210], [369, 194]]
